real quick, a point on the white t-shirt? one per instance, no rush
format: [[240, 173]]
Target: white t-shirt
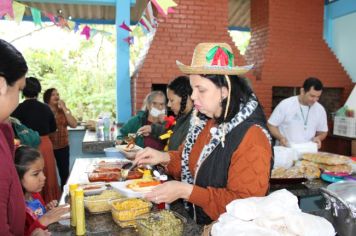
[[299, 123]]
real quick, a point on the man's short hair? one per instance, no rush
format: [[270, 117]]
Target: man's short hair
[[312, 82]]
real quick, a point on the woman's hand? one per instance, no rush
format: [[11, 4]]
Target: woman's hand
[[169, 192], [145, 130], [52, 204], [54, 215], [151, 156], [62, 105]]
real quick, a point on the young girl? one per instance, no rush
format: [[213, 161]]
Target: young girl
[[29, 166]]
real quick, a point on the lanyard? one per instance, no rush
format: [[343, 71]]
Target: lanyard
[[305, 119]]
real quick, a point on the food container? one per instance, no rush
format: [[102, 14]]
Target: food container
[[125, 211], [341, 200], [161, 223], [100, 203], [113, 152], [104, 176], [129, 153]]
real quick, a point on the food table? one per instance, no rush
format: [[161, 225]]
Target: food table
[[103, 224]]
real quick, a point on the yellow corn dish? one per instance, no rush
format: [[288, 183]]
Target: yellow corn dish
[[124, 211]]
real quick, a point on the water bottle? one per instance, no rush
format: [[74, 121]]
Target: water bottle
[[100, 129], [106, 125]]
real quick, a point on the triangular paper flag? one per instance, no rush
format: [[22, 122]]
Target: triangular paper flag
[[51, 17], [144, 28], [143, 23], [36, 15], [129, 40], [6, 8], [86, 32], [76, 27], [164, 5], [19, 11], [147, 23], [62, 22], [71, 24], [124, 26], [149, 13], [93, 32]]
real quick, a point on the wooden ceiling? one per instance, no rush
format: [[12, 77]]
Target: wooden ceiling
[[239, 12]]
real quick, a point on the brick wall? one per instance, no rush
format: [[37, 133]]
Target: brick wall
[[193, 22], [287, 46]]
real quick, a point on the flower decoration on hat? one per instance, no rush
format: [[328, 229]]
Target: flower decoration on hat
[[220, 54]]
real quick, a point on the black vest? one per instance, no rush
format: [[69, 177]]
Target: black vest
[[214, 170]]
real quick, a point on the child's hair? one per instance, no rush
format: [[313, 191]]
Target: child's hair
[[25, 156]]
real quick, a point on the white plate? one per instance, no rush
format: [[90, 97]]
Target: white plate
[[121, 188]]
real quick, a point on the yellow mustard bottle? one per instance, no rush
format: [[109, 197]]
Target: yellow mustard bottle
[[72, 188], [79, 211]]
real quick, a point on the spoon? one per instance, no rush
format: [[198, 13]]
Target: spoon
[[126, 168]]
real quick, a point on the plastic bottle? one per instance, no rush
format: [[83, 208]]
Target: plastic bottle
[[73, 219], [106, 125], [113, 131], [163, 205], [100, 129], [79, 210]]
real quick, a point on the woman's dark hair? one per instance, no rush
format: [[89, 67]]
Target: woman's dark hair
[[181, 87], [32, 88], [12, 64], [240, 94], [25, 156], [312, 82], [47, 95]]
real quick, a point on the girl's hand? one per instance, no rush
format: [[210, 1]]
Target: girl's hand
[[40, 232], [169, 192], [62, 105], [52, 204], [54, 215], [151, 156]]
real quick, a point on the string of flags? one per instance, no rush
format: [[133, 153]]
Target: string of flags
[[12, 10]]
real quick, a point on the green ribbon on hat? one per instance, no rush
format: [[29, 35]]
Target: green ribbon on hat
[[221, 54]]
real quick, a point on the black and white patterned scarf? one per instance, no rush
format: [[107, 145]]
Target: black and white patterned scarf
[[198, 124]]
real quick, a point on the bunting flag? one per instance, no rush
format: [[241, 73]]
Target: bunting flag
[[76, 27], [19, 11], [86, 32], [6, 8], [125, 27], [93, 32], [143, 23], [129, 40], [51, 17], [71, 24], [149, 14], [36, 15], [164, 6], [63, 23], [147, 23]]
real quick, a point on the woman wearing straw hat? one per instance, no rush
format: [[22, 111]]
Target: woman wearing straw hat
[[227, 151]]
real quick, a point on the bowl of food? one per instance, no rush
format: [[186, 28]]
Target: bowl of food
[[160, 223], [100, 203], [128, 151], [125, 211]]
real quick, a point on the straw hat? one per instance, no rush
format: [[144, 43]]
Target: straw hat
[[213, 58]]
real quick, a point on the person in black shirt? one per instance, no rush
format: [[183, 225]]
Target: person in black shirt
[[39, 117]]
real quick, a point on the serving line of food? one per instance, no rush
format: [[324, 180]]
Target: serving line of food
[[114, 206]]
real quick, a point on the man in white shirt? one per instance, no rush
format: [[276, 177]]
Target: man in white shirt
[[301, 118]]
